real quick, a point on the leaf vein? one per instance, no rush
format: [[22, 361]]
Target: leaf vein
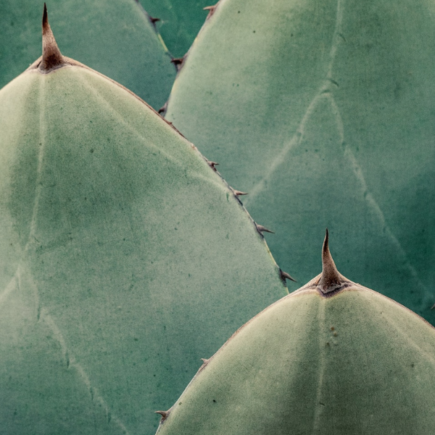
[[323, 92], [71, 362]]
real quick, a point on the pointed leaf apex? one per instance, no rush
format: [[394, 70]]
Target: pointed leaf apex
[[51, 55], [331, 279]]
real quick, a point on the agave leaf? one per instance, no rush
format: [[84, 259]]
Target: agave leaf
[[115, 38], [125, 258], [179, 21], [338, 359], [324, 112]]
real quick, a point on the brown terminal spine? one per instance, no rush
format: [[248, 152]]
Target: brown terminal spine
[[51, 55], [331, 279]]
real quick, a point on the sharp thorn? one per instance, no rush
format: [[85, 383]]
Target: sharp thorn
[[205, 360], [154, 20], [262, 229], [238, 193], [212, 164], [331, 279], [44, 17], [285, 275], [51, 55], [164, 415], [163, 108], [210, 10]]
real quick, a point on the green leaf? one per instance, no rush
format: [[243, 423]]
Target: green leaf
[[331, 362], [124, 257], [179, 21], [324, 112], [115, 38]]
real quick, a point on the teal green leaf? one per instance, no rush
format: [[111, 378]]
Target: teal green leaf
[[124, 257], [114, 37], [324, 112], [179, 21], [326, 360]]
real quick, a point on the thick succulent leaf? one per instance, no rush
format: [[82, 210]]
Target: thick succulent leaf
[[114, 37], [324, 112], [179, 21], [124, 258], [52, 377], [353, 363]]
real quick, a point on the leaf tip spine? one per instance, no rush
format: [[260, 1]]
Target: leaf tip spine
[[51, 55], [330, 279]]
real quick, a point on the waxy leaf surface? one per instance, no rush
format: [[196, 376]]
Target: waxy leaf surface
[[124, 258], [179, 21], [352, 363], [324, 112]]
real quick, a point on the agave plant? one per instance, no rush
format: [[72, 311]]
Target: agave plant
[[124, 255], [324, 112], [331, 358], [116, 38]]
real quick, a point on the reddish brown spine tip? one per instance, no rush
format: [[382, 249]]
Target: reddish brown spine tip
[[285, 275], [205, 360], [154, 20], [210, 10], [238, 193], [331, 279], [262, 229], [51, 55], [164, 415]]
